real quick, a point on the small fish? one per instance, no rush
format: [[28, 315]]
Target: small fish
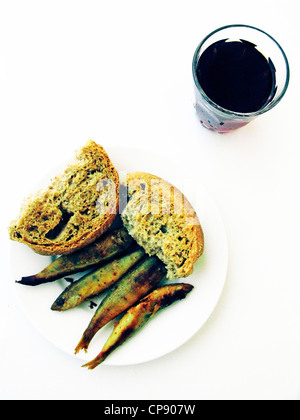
[[96, 282], [137, 316], [107, 247], [130, 289]]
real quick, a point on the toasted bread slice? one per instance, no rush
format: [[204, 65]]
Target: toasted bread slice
[[163, 222], [77, 207]]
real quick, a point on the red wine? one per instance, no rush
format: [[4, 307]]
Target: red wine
[[236, 76]]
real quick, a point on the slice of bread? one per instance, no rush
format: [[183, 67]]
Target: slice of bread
[[163, 222], [77, 207]]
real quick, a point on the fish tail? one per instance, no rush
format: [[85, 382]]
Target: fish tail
[[84, 342], [97, 361]]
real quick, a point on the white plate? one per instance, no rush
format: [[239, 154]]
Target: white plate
[[170, 328]]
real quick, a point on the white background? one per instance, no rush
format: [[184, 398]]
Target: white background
[[119, 72]]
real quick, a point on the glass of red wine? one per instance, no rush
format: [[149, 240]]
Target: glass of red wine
[[239, 72]]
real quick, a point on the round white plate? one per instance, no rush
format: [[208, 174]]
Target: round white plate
[[171, 327]]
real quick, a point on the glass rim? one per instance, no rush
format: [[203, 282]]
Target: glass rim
[[227, 111]]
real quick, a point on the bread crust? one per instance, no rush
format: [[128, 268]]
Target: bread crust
[[140, 189], [93, 157]]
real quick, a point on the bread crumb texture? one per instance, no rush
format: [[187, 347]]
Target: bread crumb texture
[[160, 218], [76, 208]]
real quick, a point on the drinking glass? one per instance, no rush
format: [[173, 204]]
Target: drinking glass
[[211, 114]]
